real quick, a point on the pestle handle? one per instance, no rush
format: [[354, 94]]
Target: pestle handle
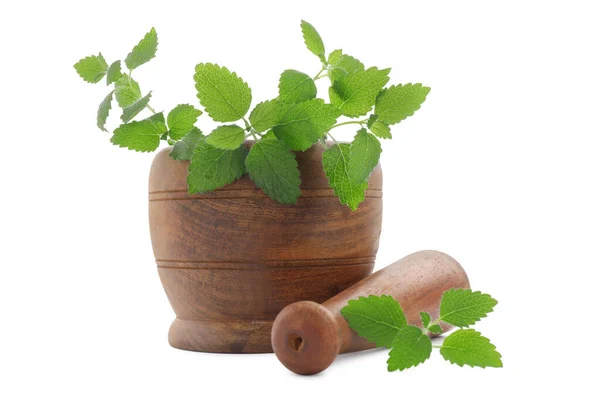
[[308, 336]]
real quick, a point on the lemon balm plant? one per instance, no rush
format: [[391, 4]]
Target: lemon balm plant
[[294, 121]]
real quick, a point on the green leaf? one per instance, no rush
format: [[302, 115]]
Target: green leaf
[[144, 51], [103, 111], [364, 156], [296, 87], [355, 93], [467, 346], [131, 111], [265, 115], [302, 124], [127, 91], [381, 130], [436, 329], [399, 102], [410, 348], [224, 95], [372, 119], [342, 64], [313, 40], [425, 319], [272, 167], [335, 165], [228, 137], [377, 319], [211, 168], [184, 149], [141, 135], [92, 69], [463, 307], [114, 72], [270, 135], [181, 120]]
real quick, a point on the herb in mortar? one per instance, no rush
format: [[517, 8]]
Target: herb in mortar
[[380, 320], [294, 121]]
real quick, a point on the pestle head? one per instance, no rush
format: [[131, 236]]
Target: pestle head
[[305, 337]]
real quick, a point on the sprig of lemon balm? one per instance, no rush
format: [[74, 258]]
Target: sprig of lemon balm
[[380, 320]]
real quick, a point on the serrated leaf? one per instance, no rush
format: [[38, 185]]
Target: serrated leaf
[[141, 135], [272, 167], [226, 137], [342, 64], [425, 319], [211, 168], [364, 156], [375, 318], [103, 111], [468, 347], [381, 130], [144, 51], [335, 165], [224, 95], [181, 120], [355, 93], [463, 307], [127, 91], [114, 72], [436, 329], [296, 87], [399, 102], [184, 149], [410, 348], [302, 124], [131, 111], [92, 69], [265, 115], [313, 40]]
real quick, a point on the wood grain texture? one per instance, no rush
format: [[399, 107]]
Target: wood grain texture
[[308, 336], [231, 259]]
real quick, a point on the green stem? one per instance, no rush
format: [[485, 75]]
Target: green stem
[[248, 126], [436, 346], [332, 138], [253, 133], [350, 122], [317, 75]]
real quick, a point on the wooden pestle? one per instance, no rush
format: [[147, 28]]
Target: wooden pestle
[[307, 336]]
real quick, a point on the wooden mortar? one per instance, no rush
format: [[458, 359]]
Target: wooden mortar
[[231, 259], [307, 336]]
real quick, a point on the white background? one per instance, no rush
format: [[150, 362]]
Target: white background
[[500, 169]]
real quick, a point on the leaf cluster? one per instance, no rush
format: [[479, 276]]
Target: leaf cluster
[[294, 121], [146, 134], [380, 320]]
